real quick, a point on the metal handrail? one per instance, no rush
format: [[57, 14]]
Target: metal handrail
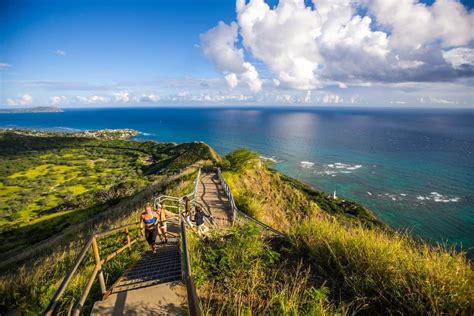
[[90, 243], [236, 211], [194, 307], [193, 300]]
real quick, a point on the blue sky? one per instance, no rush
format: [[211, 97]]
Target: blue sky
[[97, 53]]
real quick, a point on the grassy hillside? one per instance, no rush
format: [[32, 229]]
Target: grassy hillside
[[280, 200], [49, 181], [29, 285], [344, 259], [58, 188]]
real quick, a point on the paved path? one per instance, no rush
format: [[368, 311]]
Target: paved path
[[213, 199], [153, 285]]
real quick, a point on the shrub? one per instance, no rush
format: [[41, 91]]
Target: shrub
[[241, 274], [385, 271], [240, 159]]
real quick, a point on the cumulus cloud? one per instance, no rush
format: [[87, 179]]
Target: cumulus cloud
[[435, 100], [150, 98], [123, 97], [460, 57], [58, 99], [218, 44], [332, 98], [24, 99], [4, 66], [349, 41], [92, 99], [60, 52]]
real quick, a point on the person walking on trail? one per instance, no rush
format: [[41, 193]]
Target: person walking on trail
[[149, 220], [162, 218], [199, 219], [187, 212]]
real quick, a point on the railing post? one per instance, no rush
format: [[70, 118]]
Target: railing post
[[128, 239], [98, 264]]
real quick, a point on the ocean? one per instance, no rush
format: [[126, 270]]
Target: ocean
[[413, 167]]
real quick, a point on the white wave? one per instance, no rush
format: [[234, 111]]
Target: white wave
[[369, 193], [403, 194], [354, 167], [67, 129], [438, 198], [273, 159], [147, 134], [307, 164]]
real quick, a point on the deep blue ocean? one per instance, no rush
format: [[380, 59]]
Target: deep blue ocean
[[414, 168]]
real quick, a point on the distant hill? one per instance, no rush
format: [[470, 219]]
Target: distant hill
[[36, 109]]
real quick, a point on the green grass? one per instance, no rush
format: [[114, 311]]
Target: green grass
[[386, 272], [368, 267], [51, 181], [30, 284], [241, 273]]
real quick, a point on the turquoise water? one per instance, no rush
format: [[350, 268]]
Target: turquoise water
[[413, 168]]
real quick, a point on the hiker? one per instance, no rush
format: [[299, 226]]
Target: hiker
[[149, 219], [162, 223], [187, 212], [199, 219]]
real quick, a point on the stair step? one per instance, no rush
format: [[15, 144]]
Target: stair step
[[145, 284], [151, 273], [140, 279]]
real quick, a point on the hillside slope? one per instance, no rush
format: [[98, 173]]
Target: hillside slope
[[340, 257], [280, 200], [49, 181]]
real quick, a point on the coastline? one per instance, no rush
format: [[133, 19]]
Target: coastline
[[410, 160]]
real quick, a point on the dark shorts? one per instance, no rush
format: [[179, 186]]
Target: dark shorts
[[151, 234]]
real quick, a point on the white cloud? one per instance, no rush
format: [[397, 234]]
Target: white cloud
[[150, 98], [123, 97], [24, 99], [414, 24], [4, 66], [218, 44], [283, 38], [307, 97], [332, 98], [397, 102], [231, 80], [58, 99], [435, 100], [306, 47], [459, 57], [92, 99], [60, 52]]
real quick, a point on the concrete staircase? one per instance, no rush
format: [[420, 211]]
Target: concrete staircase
[[214, 201], [152, 269], [153, 286]]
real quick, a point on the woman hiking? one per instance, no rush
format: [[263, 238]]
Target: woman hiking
[[187, 212], [149, 220], [199, 219], [162, 217]]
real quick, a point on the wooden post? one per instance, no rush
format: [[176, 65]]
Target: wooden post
[[128, 239], [98, 264]]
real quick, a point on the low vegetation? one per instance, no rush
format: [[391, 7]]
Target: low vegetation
[[241, 273], [28, 283], [336, 258], [362, 265], [49, 181]]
